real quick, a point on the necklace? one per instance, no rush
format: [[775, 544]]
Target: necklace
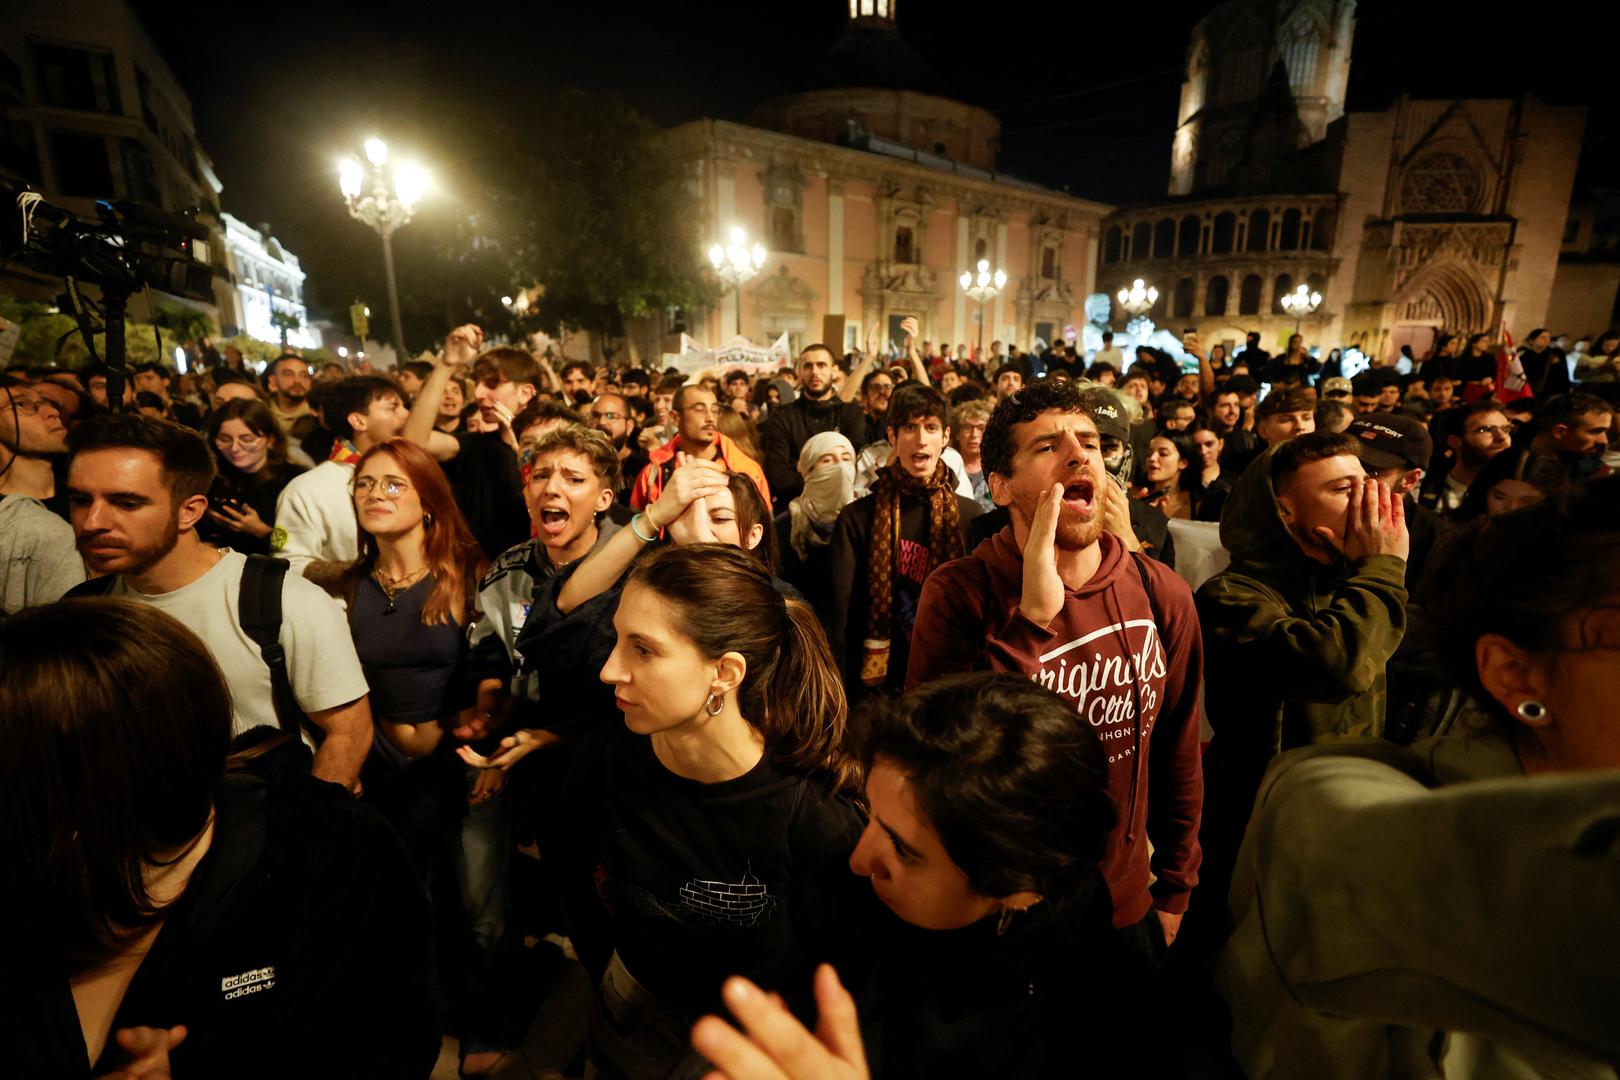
[[393, 586]]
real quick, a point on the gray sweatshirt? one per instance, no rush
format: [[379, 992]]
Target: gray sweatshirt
[[38, 562]]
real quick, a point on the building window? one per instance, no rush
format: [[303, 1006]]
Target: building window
[[1164, 239], [981, 247], [784, 230], [1185, 290], [1288, 235], [1141, 241], [1249, 295], [1215, 296], [1048, 262], [1322, 230], [1240, 75], [1112, 240], [140, 178], [1222, 234], [1299, 49], [1259, 230], [81, 165], [81, 79], [1441, 183], [1284, 286], [1187, 242], [903, 252]]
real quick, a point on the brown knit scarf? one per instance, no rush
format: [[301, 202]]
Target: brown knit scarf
[[944, 544]]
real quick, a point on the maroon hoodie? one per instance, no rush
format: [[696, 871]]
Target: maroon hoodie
[[968, 620]]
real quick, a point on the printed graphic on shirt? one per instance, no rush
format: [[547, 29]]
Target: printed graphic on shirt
[[712, 905], [915, 561], [1115, 678], [248, 982]]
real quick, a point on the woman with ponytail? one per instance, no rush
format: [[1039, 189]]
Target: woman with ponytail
[[709, 824]]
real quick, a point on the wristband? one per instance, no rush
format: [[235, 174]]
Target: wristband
[[637, 532]]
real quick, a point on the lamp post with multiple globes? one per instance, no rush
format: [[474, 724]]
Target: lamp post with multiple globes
[[1301, 302], [1139, 299], [384, 208], [736, 262], [982, 286]]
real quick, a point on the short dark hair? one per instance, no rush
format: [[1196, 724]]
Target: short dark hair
[[537, 410], [1328, 409], [1009, 369], [1108, 335], [420, 368], [224, 376], [1565, 408], [271, 369], [151, 367], [912, 401], [870, 375], [999, 446], [735, 375], [575, 365], [509, 364], [670, 384], [1541, 470], [355, 395], [134, 719], [185, 460], [1315, 446], [817, 346], [680, 395], [1133, 375], [634, 375], [1015, 789], [1285, 401]]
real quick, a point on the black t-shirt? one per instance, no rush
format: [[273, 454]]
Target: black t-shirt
[[696, 882], [259, 490], [489, 490], [411, 667]]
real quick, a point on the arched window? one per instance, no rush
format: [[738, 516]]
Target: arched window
[[1299, 47], [1215, 296], [1185, 289], [903, 245], [980, 247], [1048, 262], [1188, 240], [1284, 286], [1164, 239], [1113, 239], [1259, 230], [1249, 295], [783, 234], [1288, 235], [1222, 233], [1322, 230], [1141, 241]]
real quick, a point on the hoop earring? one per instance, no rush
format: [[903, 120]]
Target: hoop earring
[[714, 704], [1531, 710], [427, 519]]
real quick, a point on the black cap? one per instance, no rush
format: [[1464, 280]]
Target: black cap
[[1102, 405], [1393, 440]]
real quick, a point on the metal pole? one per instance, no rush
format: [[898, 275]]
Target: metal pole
[[981, 328], [739, 308], [393, 300]]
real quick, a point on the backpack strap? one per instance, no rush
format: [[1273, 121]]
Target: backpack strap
[[259, 610], [1153, 601]]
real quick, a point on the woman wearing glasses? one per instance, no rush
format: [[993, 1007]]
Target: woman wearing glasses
[[251, 451]]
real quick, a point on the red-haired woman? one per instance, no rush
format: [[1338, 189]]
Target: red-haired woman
[[411, 597]]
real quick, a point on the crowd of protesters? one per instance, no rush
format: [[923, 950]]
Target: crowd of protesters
[[924, 714]]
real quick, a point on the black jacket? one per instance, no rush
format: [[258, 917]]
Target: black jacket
[[300, 948], [789, 427]]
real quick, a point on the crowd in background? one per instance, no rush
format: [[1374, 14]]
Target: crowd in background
[[924, 713]]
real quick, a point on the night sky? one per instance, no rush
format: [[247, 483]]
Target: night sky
[[1087, 93]]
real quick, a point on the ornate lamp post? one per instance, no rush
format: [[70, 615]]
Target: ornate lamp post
[[1300, 303], [1139, 299], [382, 209], [736, 262], [983, 286]]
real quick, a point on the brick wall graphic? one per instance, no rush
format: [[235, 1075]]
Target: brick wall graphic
[[711, 905]]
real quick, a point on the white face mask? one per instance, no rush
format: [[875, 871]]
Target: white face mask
[[828, 489]]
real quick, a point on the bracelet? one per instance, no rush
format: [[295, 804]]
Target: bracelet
[[637, 532]]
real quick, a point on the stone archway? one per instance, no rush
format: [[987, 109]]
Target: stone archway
[[1446, 293]]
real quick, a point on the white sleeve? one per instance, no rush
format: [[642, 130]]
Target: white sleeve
[[870, 462], [321, 661], [299, 536], [953, 461]]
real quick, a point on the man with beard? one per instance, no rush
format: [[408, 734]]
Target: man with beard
[[482, 466], [697, 411], [816, 409], [136, 490], [289, 382], [37, 560], [885, 544], [1473, 435], [610, 414], [876, 388], [578, 382], [1575, 428], [1057, 598]]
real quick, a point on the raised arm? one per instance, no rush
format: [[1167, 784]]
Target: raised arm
[[919, 370], [460, 347]]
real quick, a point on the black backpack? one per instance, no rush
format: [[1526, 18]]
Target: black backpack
[[271, 752]]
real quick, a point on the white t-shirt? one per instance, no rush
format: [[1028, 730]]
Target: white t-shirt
[[315, 518], [321, 661]]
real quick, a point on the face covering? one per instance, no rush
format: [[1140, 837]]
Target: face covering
[[828, 489]]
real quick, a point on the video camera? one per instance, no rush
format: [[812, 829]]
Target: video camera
[[126, 247]]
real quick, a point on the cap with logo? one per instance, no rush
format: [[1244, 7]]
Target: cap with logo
[[1392, 441], [1107, 413], [1337, 384]]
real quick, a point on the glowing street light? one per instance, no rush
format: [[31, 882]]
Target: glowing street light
[[1301, 302], [983, 287], [385, 208], [736, 262], [1138, 299]]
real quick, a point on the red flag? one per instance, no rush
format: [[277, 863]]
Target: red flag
[[1511, 381]]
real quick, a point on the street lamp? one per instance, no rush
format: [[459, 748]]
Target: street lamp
[[382, 209], [1300, 303], [736, 262], [1138, 299], [983, 287]]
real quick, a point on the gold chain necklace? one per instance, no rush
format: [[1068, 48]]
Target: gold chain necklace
[[393, 586]]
